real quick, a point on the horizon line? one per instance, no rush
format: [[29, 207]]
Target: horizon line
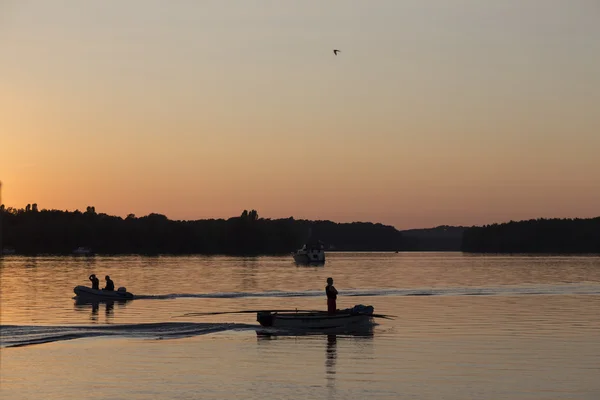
[[6, 207]]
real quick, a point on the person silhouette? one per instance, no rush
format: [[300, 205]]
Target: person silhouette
[[331, 293], [95, 282], [110, 286]]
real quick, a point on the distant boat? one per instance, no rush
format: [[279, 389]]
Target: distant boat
[[82, 251], [8, 251], [311, 253]]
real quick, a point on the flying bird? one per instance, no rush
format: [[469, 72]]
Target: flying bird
[[335, 51]]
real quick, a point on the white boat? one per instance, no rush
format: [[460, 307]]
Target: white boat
[[7, 251], [88, 292], [82, 250], [317, 320], [312, 252]]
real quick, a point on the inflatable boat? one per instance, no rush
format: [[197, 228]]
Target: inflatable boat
[[88, 292]]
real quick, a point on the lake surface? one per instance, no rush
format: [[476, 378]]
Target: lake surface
[[467, 327]]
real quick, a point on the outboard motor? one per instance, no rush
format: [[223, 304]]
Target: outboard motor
[[362, 309]]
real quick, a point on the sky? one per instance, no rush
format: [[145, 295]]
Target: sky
[[435, 112]]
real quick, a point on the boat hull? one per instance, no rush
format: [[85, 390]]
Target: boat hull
[[88, 292], [313, 321], [304, 258]]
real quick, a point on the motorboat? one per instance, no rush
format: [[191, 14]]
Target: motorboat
[[317, 320], [7, 251], [81, 250], [310, 253], [88, 292]]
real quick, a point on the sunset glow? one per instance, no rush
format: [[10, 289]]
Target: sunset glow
[[462, 114]]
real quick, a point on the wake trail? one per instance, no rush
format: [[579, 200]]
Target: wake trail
[[517, 290]]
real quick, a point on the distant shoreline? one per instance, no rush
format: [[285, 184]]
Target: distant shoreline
[[30, 231]]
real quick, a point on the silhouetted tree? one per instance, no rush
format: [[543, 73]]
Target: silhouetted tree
[[60, 232], [253, 216]]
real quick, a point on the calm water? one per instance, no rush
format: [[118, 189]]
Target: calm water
[[468, 327]]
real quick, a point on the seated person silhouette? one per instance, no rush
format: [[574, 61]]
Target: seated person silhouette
[[110, 286]]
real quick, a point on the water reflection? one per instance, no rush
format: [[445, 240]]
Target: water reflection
[[83, 304], [331, 355], [356, 331], [309, 264], [351, 343], [249, 269], [330, 360]]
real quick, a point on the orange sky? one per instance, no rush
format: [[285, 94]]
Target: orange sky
[[432, 114]]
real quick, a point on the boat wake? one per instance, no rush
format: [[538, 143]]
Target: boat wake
[[28, 335], [516, 290], [25, 335]]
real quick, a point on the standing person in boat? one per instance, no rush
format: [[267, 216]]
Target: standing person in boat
[[331, 293], [95, 282], [110, 286]]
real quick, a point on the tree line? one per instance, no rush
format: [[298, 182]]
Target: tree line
[[440, 238], [535, 236], [34, 231]]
